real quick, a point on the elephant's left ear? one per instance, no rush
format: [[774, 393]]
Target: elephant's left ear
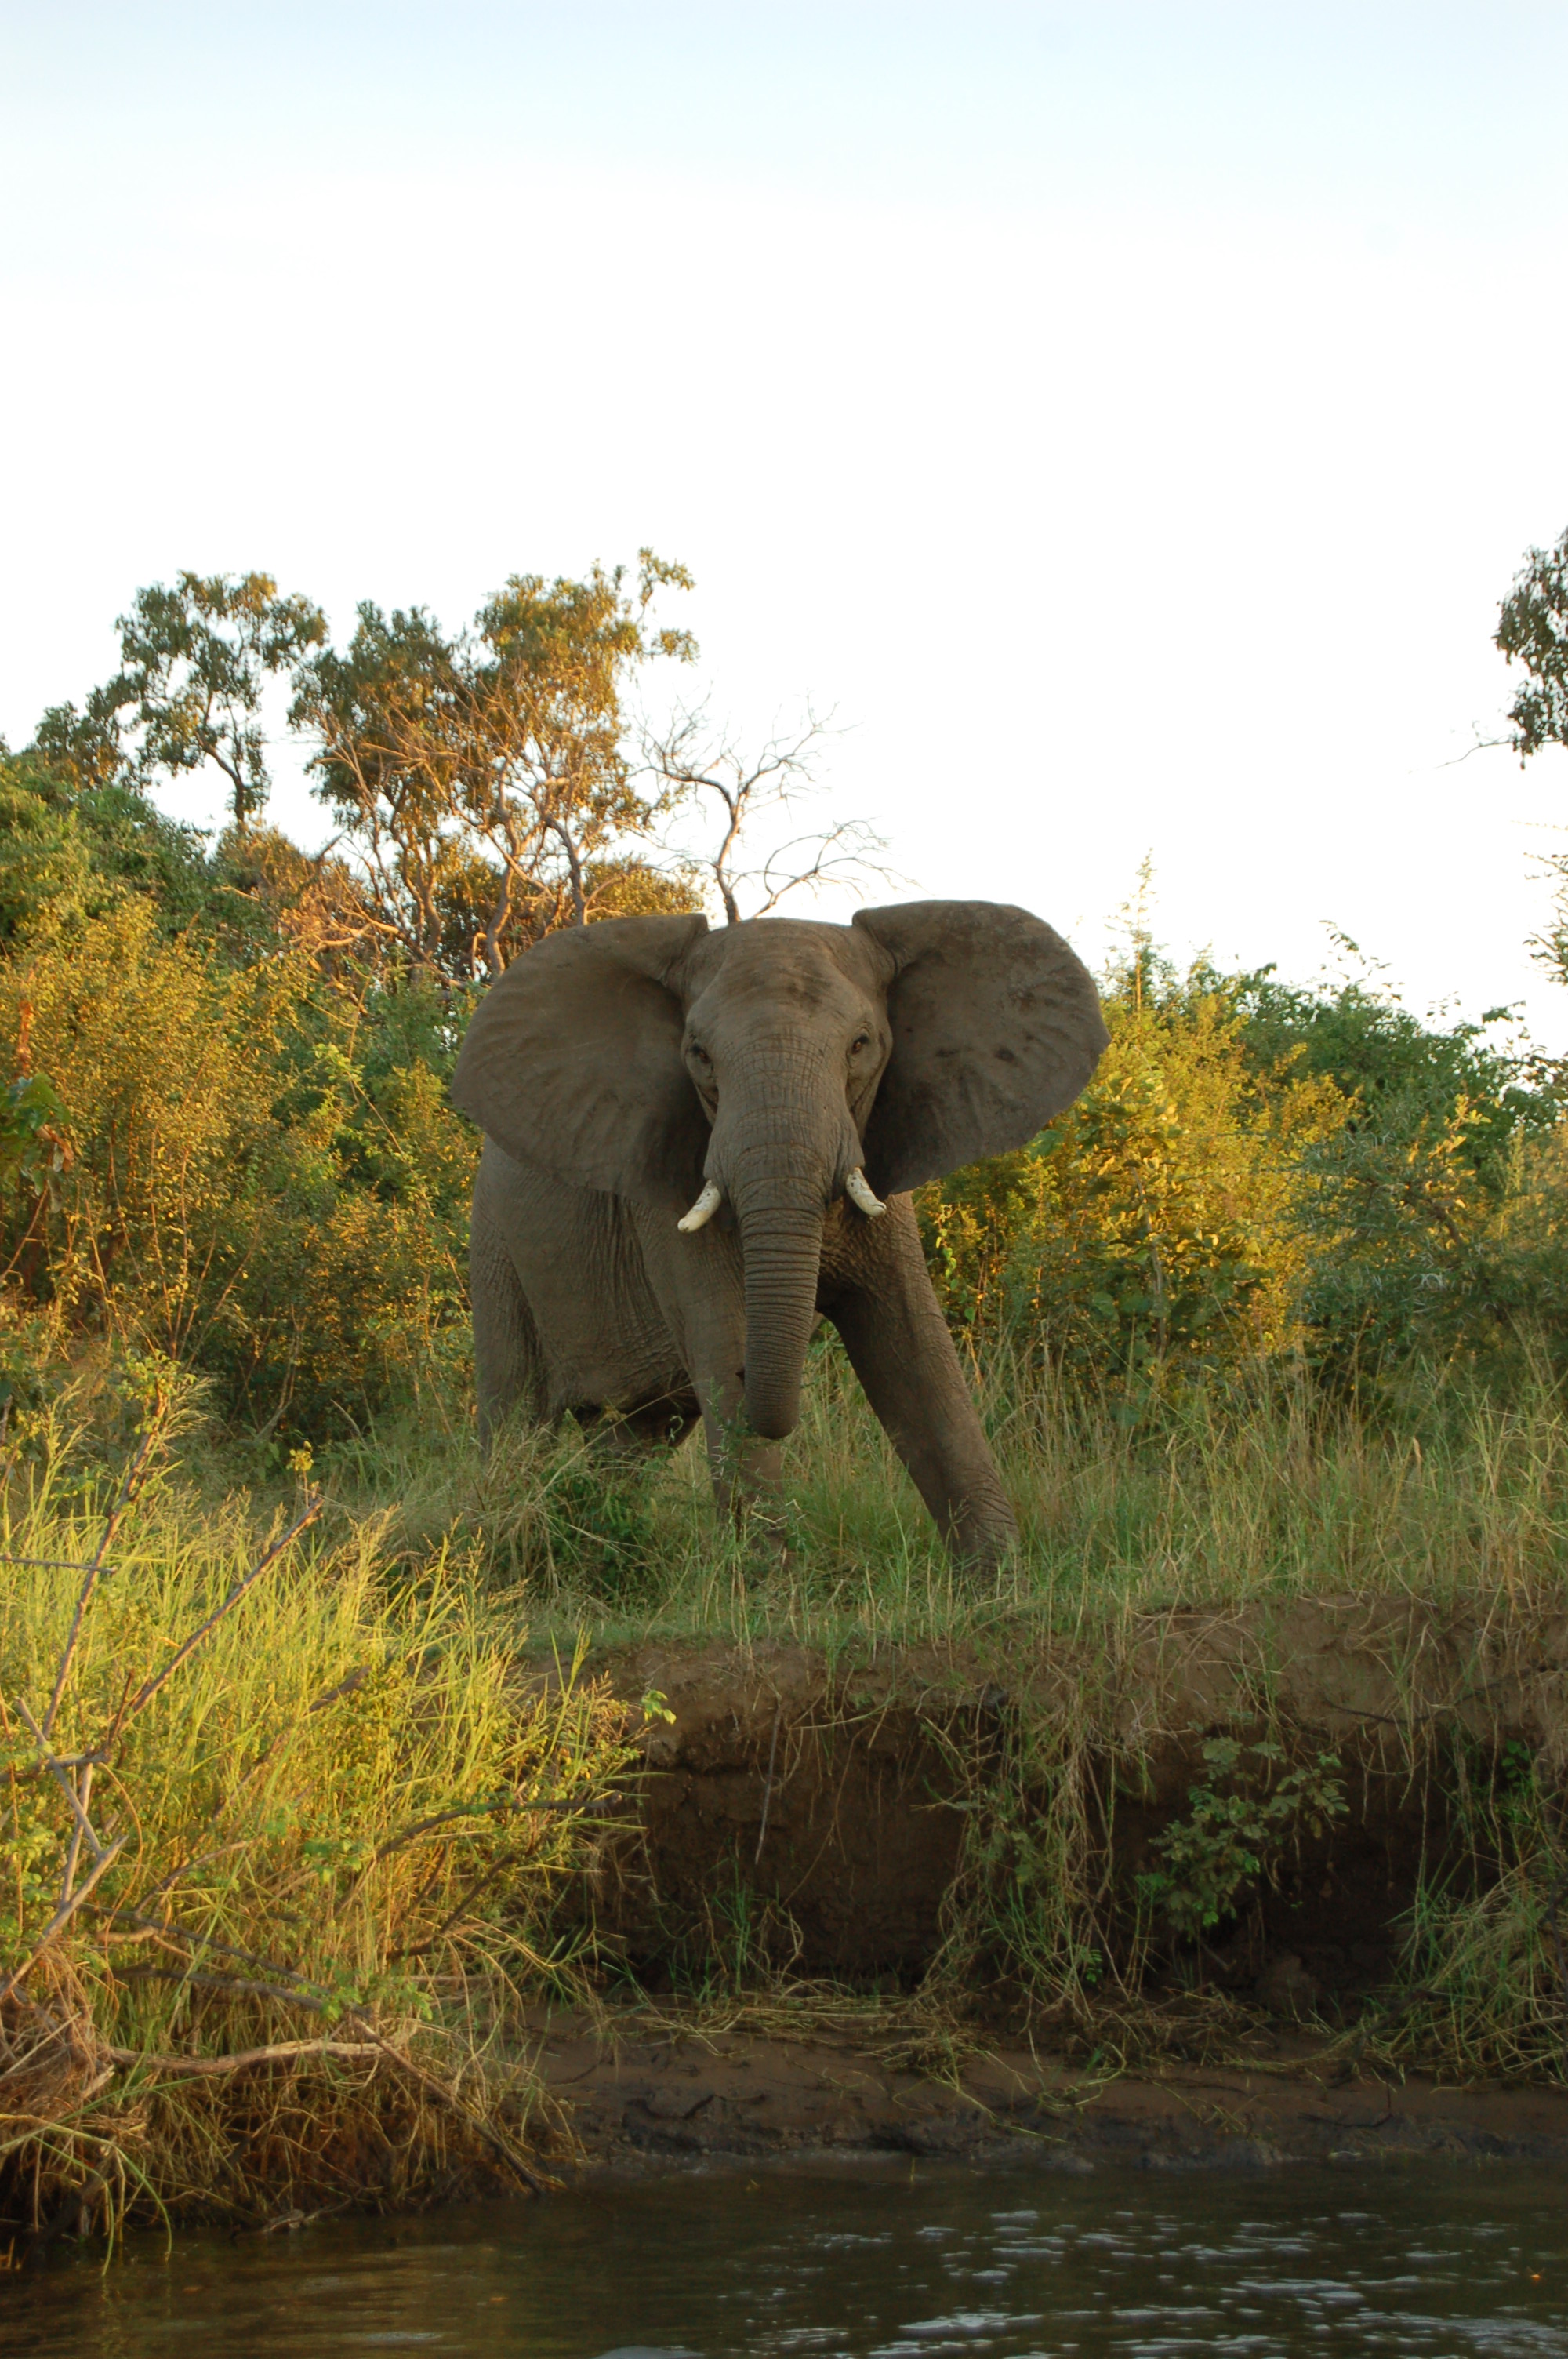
[[995, 1027]]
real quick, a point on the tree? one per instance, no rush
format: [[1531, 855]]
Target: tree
[[1532, 630], [83, 750], [75, 838], [483, 781], [196, 659], [697, 763]]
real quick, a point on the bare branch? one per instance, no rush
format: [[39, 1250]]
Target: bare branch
[[701, 764], [63, 1914]]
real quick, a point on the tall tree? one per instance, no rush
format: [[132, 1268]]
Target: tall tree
[[196, 659], [1533, 631], [484, 780]]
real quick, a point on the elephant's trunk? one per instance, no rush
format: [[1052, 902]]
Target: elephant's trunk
[[781, 1148], [783, 1247]]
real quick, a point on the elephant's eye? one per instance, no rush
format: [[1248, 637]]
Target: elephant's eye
[[861, 1041], [700, 1054]]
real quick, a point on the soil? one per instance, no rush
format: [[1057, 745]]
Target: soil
[[807, 1812], [641, 2095]]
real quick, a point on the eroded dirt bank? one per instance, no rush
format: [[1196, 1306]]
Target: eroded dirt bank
[[817, 1812], [864, 1823]]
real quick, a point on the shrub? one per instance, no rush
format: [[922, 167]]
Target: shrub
[[1157, 1228], [265, 1181]]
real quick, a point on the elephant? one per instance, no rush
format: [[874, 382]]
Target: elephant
[[698, 1141]]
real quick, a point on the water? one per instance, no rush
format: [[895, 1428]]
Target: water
[[880, 2262]]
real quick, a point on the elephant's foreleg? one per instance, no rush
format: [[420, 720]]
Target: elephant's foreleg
[[509, 1368], [900, 1348]]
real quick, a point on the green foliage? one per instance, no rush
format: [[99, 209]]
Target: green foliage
[[1533, 631], [1259, 1173], [74, 849], [1155, 1230], [265, 1181], [1428, 1228], [196, 659], [599, 1534], [1241, 1820]]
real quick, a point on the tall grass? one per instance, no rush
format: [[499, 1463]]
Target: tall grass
[[272, 1902], [1249, 1491]]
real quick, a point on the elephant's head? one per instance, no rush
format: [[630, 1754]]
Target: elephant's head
[[780, 1063]]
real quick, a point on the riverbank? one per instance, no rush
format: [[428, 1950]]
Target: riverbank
[[1338, 1809], [329, 1825]]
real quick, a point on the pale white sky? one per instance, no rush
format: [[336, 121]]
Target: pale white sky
[[1128, 417]]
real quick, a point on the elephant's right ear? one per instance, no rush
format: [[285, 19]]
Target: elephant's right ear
[[572, 1062]]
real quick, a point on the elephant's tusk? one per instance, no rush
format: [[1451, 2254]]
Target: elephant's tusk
[[858, 1190], [702, 1211]]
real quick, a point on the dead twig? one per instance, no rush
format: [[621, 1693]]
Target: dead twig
[[282, 2051], [58, 1564]]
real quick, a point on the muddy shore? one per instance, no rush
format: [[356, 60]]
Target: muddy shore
[[639, 2096]]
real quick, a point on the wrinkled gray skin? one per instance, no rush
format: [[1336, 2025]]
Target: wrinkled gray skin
[[617, 1066]]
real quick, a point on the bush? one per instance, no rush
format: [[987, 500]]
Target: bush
[[1159, 1227], [262, 1180]]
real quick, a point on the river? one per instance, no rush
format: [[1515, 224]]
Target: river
[[875, 2261]]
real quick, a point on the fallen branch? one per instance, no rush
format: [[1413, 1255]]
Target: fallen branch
[[284, 2051], [433, 2086]]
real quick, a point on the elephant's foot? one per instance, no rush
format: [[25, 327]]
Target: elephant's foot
[[981, 1543]]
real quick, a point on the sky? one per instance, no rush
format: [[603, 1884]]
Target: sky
[[1124, 419]]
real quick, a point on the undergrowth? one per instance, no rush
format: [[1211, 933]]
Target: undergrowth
[[284, 1834], [274, 1903]]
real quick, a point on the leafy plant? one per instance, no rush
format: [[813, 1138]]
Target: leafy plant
[[1241, 1820]]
